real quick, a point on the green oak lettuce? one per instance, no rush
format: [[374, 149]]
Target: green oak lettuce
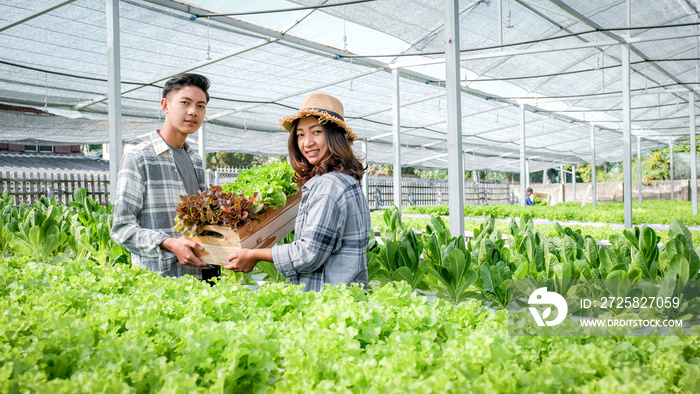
[[82, 327], [273, 182]]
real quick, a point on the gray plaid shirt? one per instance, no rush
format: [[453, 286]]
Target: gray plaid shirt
[[331, 234], [148, 192]]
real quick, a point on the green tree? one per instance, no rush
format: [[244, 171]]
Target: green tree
[[656, 166], [584, 172], [388, 170], [432, 174], [239, 160], [499, 177]]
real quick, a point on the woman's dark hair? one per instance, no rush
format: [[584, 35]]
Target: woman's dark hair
[[188, 79], [340, 157]]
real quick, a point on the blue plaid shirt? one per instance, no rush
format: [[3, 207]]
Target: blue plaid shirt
[[148, 192], [331, 234]]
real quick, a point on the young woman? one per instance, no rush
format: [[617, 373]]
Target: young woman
[[333, 225]]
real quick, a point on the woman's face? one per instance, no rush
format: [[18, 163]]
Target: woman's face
[[311, 139]]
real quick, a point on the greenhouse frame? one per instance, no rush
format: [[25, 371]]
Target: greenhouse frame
[[615, 70], [318, 274]]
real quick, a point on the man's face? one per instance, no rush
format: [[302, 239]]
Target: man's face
[[185, 109]]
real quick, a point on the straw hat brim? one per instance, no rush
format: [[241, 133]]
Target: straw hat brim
[[323, 117]]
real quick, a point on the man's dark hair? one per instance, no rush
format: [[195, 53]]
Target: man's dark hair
[[529, 189], [188, 79]]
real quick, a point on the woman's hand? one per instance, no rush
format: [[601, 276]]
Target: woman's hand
[[242, 260]]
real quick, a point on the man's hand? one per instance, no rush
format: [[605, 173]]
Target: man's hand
[[184, 250], [242, 260]]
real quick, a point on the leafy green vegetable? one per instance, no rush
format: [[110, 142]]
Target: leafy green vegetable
[[651, 211], [272, 182], [78, 327], [399, 259], [39, 234]]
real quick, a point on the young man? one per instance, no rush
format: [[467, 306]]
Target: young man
[[154, 175], [528, 196]]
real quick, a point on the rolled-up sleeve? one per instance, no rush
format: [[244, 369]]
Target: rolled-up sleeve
[[315, 242], [126, 229]]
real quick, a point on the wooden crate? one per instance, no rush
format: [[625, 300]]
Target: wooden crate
[[263, 232]]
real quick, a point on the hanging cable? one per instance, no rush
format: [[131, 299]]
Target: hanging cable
[[345, 47], [602, 71], [245, 117], [46, 92], [574, 71], [530, 41], [351, 72], [345, 36], [208, 42], [83, 77], [508, 14], [646, 80], [195, 16], [465, 81], [607, 109], [592, 95]]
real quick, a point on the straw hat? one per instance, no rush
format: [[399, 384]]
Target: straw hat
[[326, 108]]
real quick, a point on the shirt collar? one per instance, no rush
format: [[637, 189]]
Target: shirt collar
[[310, 183], [159, 146]]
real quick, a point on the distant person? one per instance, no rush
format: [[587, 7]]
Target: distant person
[[528, 199], [333, 226], [154, 175]]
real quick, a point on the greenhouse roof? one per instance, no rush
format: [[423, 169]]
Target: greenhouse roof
[[561, 60]]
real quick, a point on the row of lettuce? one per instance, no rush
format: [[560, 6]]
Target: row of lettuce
[[650, 211], [598, 231], [457, 269], [47, 231], [83, 327], [486, 266]]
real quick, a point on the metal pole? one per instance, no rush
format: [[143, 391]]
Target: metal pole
[[673, 192], [396, 120], [522, 155], [593, 169], [573, 182], [626, 126], [639, 168], [693, 154], [626, 135], [693, 148], [114, 106], [527, 172], [500, 22], [455, 174], [464, 167], [365, 183]]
